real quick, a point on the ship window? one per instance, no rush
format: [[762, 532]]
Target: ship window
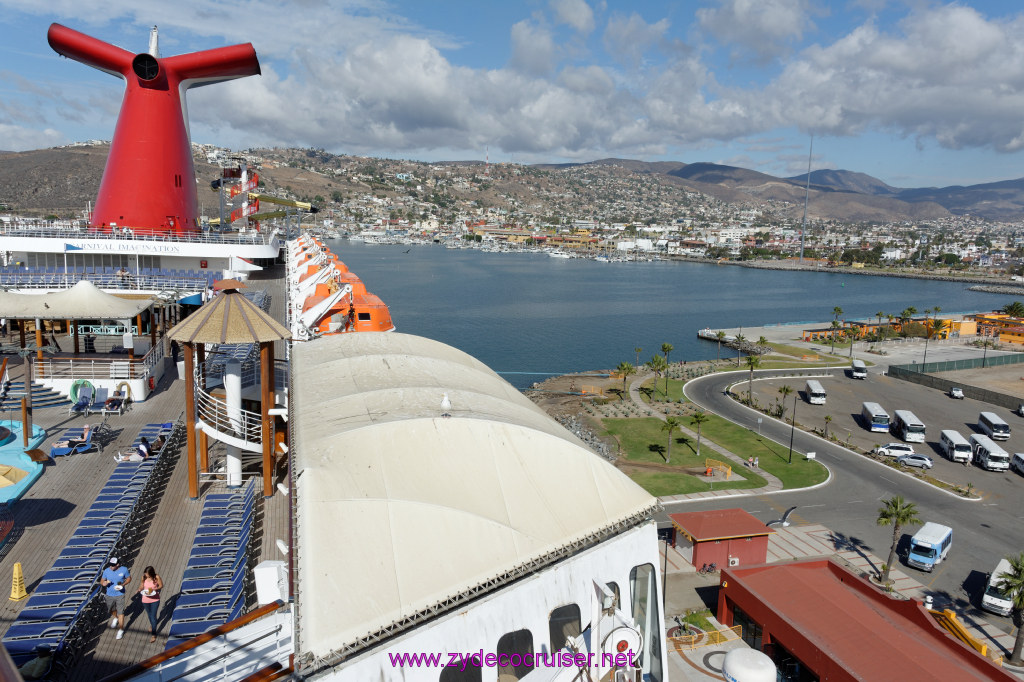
[[472, 673], [644, 591], [364, 317], [563, 623], [512, 650], [614, 587]]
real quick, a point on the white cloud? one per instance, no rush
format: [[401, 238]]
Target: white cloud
[[952, 75], [627, 39], [533, 48], [762, 27], [575, 13], [19, 138]]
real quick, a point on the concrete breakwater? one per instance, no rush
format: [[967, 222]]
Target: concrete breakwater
[[1012, 290]]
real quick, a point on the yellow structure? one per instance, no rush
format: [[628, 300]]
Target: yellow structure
[[1000, 327], [18, 584]]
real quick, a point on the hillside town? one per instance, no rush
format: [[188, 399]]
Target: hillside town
[[609, 209]]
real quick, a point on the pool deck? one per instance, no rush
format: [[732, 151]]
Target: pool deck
[[48, 513]]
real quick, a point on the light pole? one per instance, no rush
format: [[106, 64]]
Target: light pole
[[792, 431]]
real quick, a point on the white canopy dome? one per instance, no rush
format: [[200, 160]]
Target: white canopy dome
[[402, 512]]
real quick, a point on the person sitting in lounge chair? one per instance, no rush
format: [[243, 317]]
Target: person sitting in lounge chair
[[155, 446], [75, 442], [114, 402], [140, 454]]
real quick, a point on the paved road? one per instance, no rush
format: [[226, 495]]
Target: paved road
[[848, 504]]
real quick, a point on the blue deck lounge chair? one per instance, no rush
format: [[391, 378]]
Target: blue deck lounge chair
[[70, 435], [81, 406]]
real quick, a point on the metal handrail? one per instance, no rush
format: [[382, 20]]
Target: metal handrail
[[241, 424], [25, 228], [107, 281]]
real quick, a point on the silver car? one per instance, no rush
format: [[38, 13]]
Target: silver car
[[922, 461], [894, 449]]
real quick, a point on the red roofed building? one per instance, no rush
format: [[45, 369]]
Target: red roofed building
[[729, 537], [818, 621]]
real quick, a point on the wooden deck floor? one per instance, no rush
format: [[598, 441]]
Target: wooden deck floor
[[49, 512]]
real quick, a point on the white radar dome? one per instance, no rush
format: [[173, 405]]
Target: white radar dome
[[748, 665]]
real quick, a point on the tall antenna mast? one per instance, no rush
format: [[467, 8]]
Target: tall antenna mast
[[807, 193]]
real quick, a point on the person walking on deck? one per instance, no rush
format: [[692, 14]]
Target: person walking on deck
[[115, 577], [150, 591]]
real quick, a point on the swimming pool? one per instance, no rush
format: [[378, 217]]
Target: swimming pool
[[17, 470]]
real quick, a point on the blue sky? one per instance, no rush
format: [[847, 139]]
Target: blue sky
[[915, 93]]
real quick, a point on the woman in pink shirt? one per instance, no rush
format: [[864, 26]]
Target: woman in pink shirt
[[150, 591]]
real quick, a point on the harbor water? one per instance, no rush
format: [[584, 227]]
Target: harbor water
[[529, 316]]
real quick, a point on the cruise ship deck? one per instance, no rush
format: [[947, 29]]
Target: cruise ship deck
[[48, 513]]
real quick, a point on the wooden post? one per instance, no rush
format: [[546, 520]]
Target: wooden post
[[39, 339], [75, 327], [190, 421], [201, 353], [204, 452], [152, 329], [21, 332], [266, 397]]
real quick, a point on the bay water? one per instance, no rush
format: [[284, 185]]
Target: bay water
[[529, 316]]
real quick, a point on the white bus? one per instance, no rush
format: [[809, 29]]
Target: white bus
[[992, 425], [954, 446], [815, 392], [875, 418], [908, 427], [858, 370], [987, 454]]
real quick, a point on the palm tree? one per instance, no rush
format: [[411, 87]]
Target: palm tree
[[785, 390], [762, 341], [828, 420], [670, 425], [666, 348], [1012, 586], [932, 328], [899, 513], [836, 312], [697, 419], [625, 369], [880, 315], [637, 351], [835, 328], [657, 365], [721, 337], [752, 362], [888, 326], [1015, 309], [740, 340]]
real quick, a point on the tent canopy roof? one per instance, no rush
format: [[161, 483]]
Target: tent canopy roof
[[229, 318], [84, 301]]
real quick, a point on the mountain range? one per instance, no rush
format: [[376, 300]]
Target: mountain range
[[54, 180]]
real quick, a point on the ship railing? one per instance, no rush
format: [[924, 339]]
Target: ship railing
[[250, 371], [13, 279], [121, 234], [238, 427]]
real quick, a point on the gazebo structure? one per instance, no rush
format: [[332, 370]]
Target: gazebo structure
[[228, 318], [86, 301]]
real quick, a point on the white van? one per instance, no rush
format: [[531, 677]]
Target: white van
[[907, 426], [1017, 462], [954, 446], [992, 425], [859, 370], [994, 599], [987, 454], [930, 546], [815, 392]]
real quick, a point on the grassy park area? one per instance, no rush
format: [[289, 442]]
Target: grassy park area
[[644, 447]]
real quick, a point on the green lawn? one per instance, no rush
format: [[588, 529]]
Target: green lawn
[[643, 440], [675, 390], [772, 457]]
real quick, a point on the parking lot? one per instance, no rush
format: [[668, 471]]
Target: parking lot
[[936, 409]]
